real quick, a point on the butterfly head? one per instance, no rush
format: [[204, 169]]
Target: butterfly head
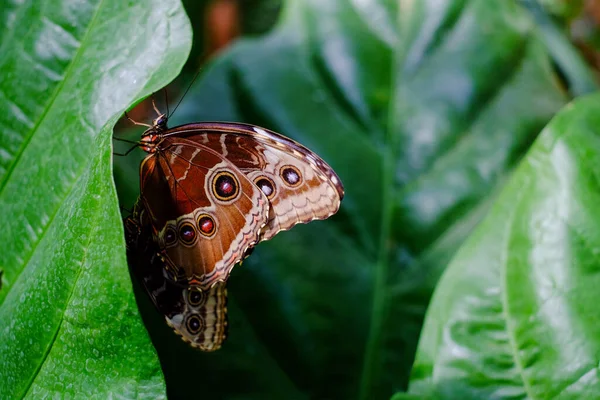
[[160, 123]]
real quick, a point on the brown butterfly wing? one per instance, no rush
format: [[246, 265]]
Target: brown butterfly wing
[[204, 211], [300, 186], [199, 317]]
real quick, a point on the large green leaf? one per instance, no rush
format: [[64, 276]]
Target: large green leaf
[[516, 314], [423, 108], [69, 326]]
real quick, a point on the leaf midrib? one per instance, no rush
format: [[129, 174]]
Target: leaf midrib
[[381, 272], [382, 265], [510, 329]]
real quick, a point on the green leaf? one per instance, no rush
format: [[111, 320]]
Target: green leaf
[[423, 108], [515, 315], [69, 326]]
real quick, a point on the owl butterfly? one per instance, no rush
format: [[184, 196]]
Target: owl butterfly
[[209, 192]]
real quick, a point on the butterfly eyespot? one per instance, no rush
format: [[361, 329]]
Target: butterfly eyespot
[[195, 297], [170, 236], [194, 324], [266, 185], [187, 233], [225, 186], [291, 175], [207, 225]]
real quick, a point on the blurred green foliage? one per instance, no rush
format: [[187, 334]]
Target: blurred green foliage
[[564, 9]]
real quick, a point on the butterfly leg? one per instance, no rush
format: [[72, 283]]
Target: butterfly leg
[[127, 152], [137, 123], [156, 108]]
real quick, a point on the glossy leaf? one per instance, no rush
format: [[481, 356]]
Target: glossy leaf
[[423, 108], [515, 315], [69, 325]]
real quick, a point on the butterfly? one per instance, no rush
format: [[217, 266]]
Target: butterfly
[[209, 192]]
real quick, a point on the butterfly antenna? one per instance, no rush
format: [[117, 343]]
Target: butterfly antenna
[[187, 90], [127, 152], [125, 140], [167, 102]]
